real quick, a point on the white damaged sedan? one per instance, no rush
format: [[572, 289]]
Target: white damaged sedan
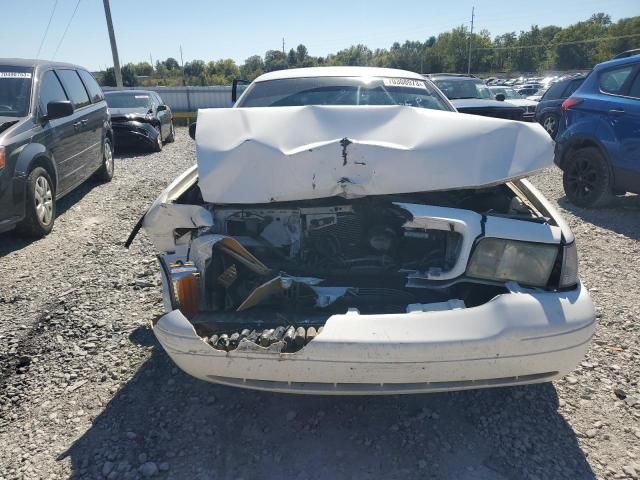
[[346, 231]]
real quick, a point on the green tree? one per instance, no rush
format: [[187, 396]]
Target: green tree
[[253, 67], [275, 60], [171, 64]]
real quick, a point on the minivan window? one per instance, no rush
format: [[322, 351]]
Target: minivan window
[[15, 90], [50, 91], [95, 92], [74, 88], [613, 80], [343, 91]]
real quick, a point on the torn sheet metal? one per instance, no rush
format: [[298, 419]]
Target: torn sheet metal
[[260, 155], [162, 219]]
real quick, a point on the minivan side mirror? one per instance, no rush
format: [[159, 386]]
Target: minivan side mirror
[[238, 87], [500, 97], [161, 108], [59, 109]]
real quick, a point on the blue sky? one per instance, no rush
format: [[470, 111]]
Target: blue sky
[[237, 29]]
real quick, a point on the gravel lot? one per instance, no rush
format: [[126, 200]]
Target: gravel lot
[[86, 391]]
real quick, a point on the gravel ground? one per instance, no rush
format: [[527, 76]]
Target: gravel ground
[[86, 391]]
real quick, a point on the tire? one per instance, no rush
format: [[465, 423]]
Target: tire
[[157, 146], [40, 205], [550, 122], [587, 179], [105, 172], [172, 134]]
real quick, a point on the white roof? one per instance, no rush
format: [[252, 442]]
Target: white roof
[[338, 72]]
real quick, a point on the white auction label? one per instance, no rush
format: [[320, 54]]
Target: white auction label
[[404, 82], [15, 74]]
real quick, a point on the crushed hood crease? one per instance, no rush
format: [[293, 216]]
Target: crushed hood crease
[[261, 155]]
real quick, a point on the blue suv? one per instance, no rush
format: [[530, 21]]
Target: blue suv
[[598, 141]]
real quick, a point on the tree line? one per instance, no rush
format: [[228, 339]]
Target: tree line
[[575, 47]]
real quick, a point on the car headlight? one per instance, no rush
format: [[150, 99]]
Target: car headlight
[[522, 262], [569, 272]]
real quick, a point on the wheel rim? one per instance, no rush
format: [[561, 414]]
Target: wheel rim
[[44, 200], [108, 157], [582, 178], [549, 124]]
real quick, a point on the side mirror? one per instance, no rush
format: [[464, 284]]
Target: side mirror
[[60, 109], [162, 108], [238, 87], [500, 97], [192, 130]]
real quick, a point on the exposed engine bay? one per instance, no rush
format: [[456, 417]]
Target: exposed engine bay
[[273, 273]]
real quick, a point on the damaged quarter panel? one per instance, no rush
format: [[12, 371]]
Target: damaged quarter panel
[[366, 249]]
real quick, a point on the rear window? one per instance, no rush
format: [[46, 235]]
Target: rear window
[[555, 91], [458, 89], [128, 100], [573, 86], [74, 88], [95, 92], [343, 91], [612, 81], [15, 90]]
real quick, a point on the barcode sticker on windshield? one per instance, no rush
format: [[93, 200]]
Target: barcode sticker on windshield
[[15, 74], [404, 82]]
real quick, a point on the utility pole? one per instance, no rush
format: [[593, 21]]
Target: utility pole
[[114, 47], [283, 46], [470, 37]]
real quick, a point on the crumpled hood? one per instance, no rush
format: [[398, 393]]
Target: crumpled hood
[[261, 155]]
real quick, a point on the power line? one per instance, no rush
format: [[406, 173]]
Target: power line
[[46, 30], [67, 28], [550, 45]]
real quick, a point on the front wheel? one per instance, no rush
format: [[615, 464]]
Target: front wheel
[[157, 145], [105, 172], [172, 133], [550, 123], [587, 179], [40, 205]]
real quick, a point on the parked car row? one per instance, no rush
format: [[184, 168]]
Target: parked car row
[[57, 130]]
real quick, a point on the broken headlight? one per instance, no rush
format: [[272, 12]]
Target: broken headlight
[[522, 262]]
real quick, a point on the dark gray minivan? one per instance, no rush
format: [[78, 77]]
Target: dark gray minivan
[[55, 133]]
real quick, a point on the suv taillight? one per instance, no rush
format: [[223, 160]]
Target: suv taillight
[[3, 158], [571, 102]]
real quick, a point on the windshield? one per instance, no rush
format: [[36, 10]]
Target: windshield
[[128, 100], [15, 90], [463, 88], [509, 93], [343, 91]]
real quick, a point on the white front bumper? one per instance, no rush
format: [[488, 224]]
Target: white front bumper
[[515, 338]]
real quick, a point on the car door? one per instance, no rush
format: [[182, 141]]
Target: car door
[[97, 115], [84, 147], [625, 115], [57, 135]]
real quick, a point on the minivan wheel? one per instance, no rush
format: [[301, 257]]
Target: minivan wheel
[[172, 133], [40, 205], [157, 146], [550, 124], [587, 179], [105, 172]]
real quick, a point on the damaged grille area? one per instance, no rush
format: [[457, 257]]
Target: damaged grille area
[[266, 278]]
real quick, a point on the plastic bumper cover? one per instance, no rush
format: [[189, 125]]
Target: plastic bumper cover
[[515, 338]]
